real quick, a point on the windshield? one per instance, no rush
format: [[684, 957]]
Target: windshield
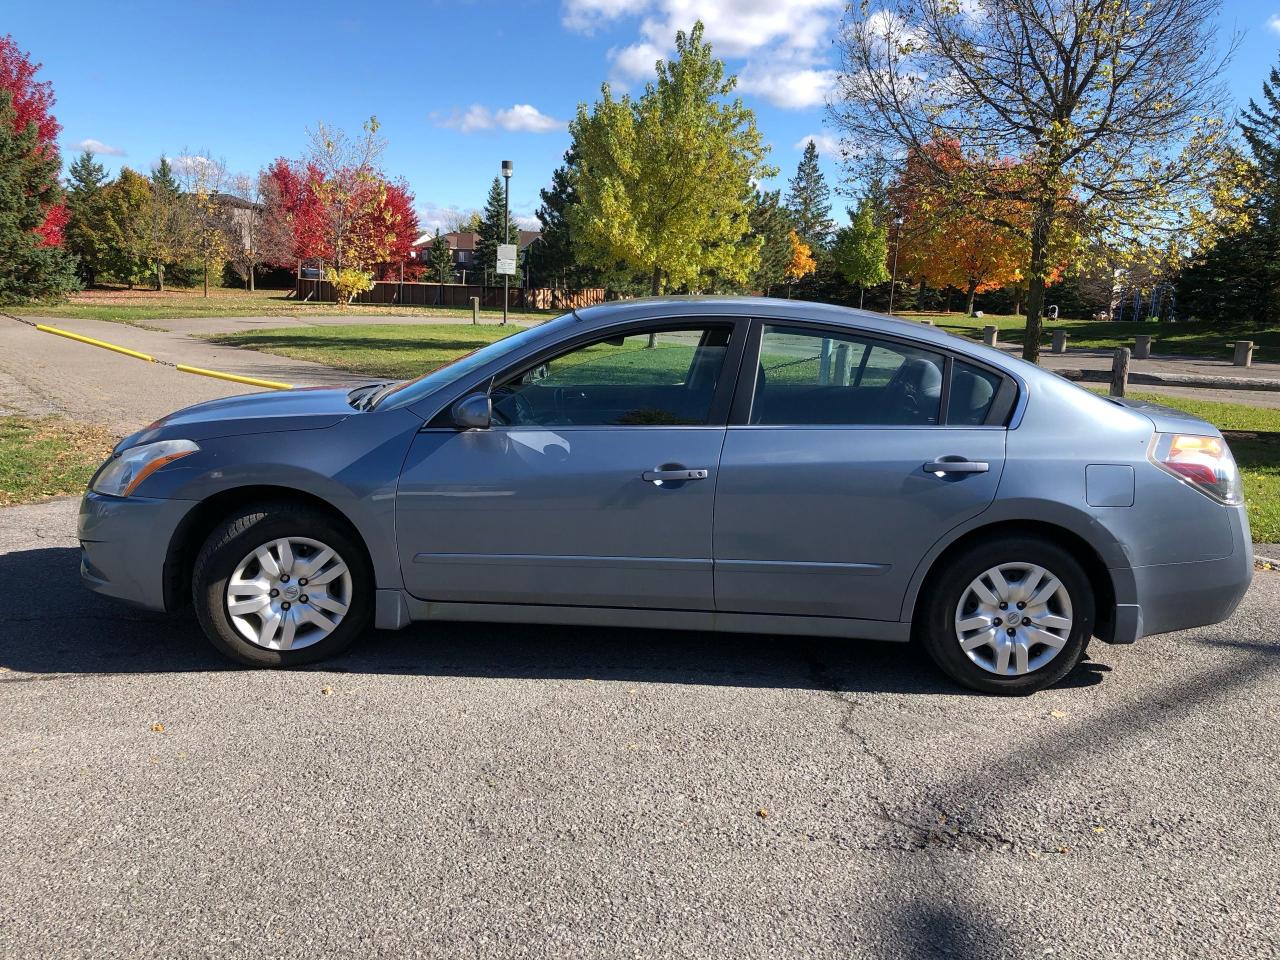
[[408, 391]]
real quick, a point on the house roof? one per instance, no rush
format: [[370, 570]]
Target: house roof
[[470, 240]]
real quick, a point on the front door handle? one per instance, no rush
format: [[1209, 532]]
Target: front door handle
[[669, 476], [956, 465]]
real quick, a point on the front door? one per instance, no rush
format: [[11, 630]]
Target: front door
[[594, 486], [824, 505]]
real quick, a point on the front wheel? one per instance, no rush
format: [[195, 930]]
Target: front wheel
[[279, 585], [1010, 616]]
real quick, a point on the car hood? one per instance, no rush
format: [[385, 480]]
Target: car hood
[[1167, 419], [305, 408]]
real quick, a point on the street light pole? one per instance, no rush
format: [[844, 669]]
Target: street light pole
[[893, 284], [506, 231]]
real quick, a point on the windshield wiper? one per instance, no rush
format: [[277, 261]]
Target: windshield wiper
[[362, 396]]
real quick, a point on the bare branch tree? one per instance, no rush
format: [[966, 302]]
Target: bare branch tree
[[1113, 108]]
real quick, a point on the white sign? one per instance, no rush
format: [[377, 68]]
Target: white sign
[[506, 251], [506, 268]]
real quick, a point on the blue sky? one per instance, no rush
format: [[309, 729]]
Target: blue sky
[[458, 85]]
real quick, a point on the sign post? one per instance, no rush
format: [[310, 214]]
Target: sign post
[[506, 236]]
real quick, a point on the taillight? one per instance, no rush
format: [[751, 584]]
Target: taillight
[[1204, 462]]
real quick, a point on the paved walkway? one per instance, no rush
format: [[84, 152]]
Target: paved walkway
[[41, 373]]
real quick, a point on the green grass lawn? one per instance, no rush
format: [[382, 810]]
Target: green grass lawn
[[402, 351], [139, 306], [1187, 339], [47, 456], [397, 351]]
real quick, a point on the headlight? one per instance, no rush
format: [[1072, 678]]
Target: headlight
[[122, 474]]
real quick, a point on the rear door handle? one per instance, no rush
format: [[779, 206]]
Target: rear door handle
[[660, 476], [956, 465]]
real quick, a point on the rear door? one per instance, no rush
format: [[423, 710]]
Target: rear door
[[847, 458]]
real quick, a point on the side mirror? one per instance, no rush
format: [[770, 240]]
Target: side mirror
[[473, 412]]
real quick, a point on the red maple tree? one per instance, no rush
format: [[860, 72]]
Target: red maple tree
[[32, 101]]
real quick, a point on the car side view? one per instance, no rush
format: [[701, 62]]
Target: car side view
[[732, 464]]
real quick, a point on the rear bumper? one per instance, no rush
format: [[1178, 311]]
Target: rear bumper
[[123, 545], [1179, 596]]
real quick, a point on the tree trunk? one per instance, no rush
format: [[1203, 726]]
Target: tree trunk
[[946, 307], [251, 278], [160, 277], [206, 278], [1041, 221], [862, 295], [655, 287], [973, 289], [920, 297]]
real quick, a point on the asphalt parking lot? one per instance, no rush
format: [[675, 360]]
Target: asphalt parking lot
[[473, 791]]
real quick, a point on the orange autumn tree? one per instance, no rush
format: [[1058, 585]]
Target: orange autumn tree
[[802, 263], [969, 239]]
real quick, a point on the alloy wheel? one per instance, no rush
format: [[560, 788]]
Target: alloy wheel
[[1013, 619], [289, 593]]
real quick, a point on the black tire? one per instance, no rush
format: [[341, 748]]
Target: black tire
[[243, 532], [936, 628]]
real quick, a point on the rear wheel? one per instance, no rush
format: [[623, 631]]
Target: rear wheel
[[280, 585], [1010, 616]]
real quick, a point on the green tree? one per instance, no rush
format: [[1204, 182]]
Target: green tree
[[558, 262], [771, 222], [861, 250], [494, 231], [809, 200], [1239, 274], [127, 216], [30, 269], [441, 257], [665, 181], [86, 232], [165, 225]]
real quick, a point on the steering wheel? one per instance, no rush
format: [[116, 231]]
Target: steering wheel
[[521, 410]]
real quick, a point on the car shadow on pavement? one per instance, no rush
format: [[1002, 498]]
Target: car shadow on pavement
[[49, 624]]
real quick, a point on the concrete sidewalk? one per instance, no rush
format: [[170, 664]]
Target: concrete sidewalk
[[41, 373]]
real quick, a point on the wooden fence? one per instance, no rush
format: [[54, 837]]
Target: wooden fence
[[392, 292]]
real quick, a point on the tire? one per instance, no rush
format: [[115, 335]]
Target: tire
[[238, 544], [1065, 616]]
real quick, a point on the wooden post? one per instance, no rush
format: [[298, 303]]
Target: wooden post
[[1120, 372], [475, 309], [990, 336], [1060, 338], [841, 362], [1142, 347], [1244, 353]]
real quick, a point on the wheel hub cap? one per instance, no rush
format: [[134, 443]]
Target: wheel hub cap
[[1013, 619], [265, 595]]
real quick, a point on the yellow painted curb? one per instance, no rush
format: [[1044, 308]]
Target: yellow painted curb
[[233, 377], [96, 343]]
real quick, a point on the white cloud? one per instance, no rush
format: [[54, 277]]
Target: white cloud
[[97, 146], [1273, 22], [585, 15], [825, 143], [784, 42], [788, 86], [518, 118], [636, 61], [527, 118]]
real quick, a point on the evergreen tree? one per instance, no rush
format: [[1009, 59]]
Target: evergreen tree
[[771, 222], [493, 232], [167, 226], [30, 267], [86, 227], [861, 250], [558, 262], [163, 179], [1239, 276], [441, 258], [809, 200]]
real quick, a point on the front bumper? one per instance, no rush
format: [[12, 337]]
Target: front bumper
[[1179, 596], [124, 543]]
